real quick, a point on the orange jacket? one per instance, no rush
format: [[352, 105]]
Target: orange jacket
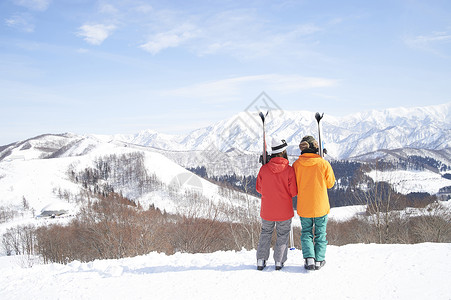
[[314, 176], [276, 183]]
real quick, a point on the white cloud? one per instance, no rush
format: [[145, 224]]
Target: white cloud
[[434, 37], [143, 8], [170, 39], [96, 34], [22, 22], [233, 89], [304, 29], [249, 37], [430, 42], [240, 33], [39, 5], [108, 8], [294, 83]]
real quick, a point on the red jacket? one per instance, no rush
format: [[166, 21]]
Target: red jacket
[[276, 182]]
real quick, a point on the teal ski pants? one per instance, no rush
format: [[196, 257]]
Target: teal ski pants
[[315, 248]]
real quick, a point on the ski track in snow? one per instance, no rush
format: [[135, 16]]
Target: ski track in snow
[[355, 271]]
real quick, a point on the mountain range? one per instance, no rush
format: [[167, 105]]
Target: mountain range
[[345, 137]]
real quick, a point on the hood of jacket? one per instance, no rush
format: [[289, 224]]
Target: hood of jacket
[[277, 164], [309, 159]]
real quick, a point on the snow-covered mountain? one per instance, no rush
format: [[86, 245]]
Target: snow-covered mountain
[[152, 139], [426, 127]]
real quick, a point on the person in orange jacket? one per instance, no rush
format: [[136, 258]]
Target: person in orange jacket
[[276, 182], [314, 175]]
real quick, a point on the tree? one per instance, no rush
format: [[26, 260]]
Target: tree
[[380, 198]]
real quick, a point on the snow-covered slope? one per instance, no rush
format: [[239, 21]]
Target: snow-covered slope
[[36, 171], [359, 271], [406, 182]]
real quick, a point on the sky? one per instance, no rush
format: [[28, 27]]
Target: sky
[[123, 66]]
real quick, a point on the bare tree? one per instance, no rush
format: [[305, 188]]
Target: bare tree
[[380, 199], [434, 224]]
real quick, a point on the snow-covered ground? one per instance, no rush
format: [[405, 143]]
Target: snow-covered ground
[[405, 182], [345, 213], [356, 271]]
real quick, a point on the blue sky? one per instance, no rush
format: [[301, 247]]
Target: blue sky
[[123, 66]]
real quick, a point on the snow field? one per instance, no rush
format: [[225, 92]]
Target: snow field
[[359, 271], [405, 182]]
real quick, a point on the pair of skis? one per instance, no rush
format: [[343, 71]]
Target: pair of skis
[[264, 158]]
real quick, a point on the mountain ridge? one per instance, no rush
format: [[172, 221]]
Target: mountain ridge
[[353, 135], [427, 127]]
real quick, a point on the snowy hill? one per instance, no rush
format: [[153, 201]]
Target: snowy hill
[[35, 173], [358, 271]]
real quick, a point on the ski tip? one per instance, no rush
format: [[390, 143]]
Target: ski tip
[[319, 116], [262, 115]]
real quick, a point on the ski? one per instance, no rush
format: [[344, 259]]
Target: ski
[[318, 118], [264, 157]]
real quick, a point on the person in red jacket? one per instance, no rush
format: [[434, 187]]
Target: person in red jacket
[[276, 182]]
